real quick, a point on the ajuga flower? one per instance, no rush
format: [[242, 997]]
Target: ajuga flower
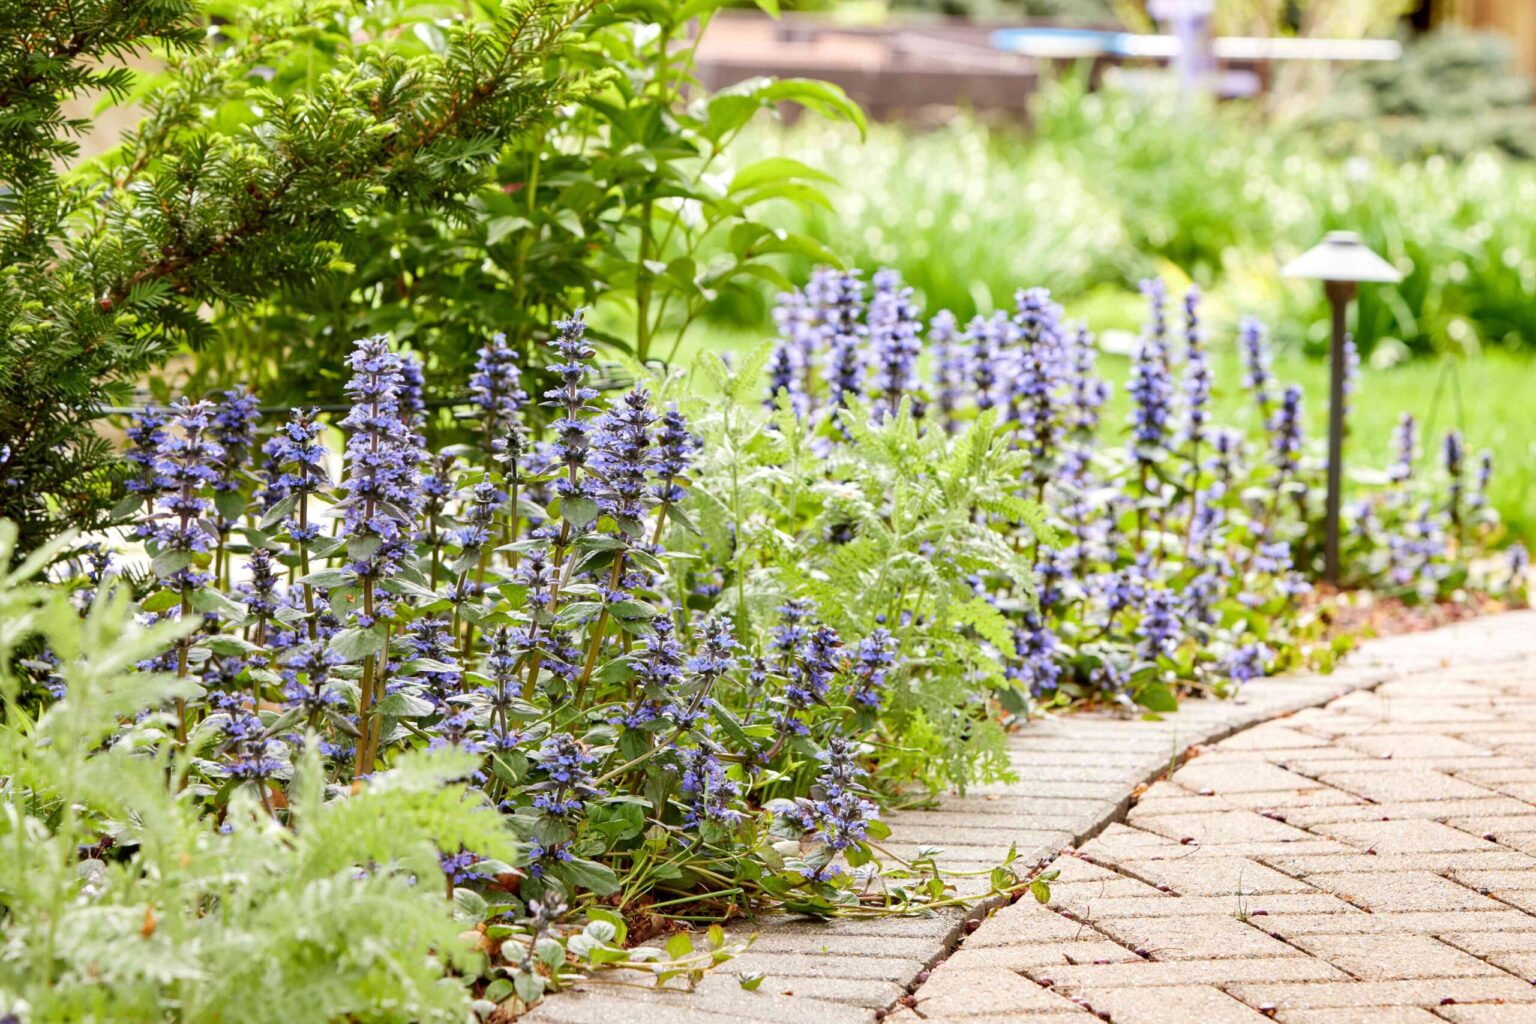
[[1518, 563], [1405, 445], [428, 640], [1479, 497], [1036, 668], [1088, 395], [295, 461], [1159, 628], [234, 429], [675, 447], [1454, 454], [314, 662], [893, 334], [382, 486], [951, 365], [145, 436], [708, 793], [658, 677], [1255, 354], [1151, 390], [494, 387], [845, 362], [185, 468], [1285, 432], [459, 867], [567, 782], [621, 456], [784, 378], [413, 391], [261, 596], [1247, 662], [1041, 370], [572, 437], [872, 659], [479, 514], [501, 666], [715, 655], [1197, 373], [841, 815]]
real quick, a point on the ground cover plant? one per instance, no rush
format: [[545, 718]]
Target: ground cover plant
[[519, 608], [626, 663], [1115, 562]]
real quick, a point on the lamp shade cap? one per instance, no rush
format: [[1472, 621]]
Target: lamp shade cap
[[1342, 256]]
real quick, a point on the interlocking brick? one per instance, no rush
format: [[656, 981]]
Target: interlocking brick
[[1027, 922], [1000, 991], [1402, 891], [1041, 955], [1235, 826], [1151, 973], [1193, 938], [1412, 836], [1394, 957], [1289, 926], [1204, 1003], [1236, 906], [1521, 965], [1212, 875], [1510, 1014], [1413, 784], [1418, 992], [1369, 1015], [1239, 777]]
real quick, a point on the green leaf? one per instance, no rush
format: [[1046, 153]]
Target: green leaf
[[356, 643], [160, 600], [824, 98], [529, 986], [277, 513], [168, 563], [500, 227], [579, 512], [679, 946], [231, 504], [404, 705], [750, 980], [330, 579], [209, 599], [1157, 697], [775, 169], [598, 879]]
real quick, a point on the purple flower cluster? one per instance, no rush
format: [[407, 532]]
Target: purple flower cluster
[[382, 483]]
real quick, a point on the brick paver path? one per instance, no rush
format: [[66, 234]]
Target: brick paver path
[[1371, 860]]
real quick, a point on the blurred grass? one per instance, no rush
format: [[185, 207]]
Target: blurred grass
[[1486, 397], [1107, 187]]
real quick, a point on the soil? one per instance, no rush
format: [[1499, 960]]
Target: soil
[[1363, 614]]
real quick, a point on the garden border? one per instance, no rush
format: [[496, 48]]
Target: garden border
[[852, 971]]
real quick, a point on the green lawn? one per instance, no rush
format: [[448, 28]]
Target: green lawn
[[1489, 398]]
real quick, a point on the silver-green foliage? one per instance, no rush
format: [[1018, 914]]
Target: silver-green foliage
[[888, 528], [121, 902]]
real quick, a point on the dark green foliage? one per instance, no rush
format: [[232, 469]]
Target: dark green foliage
[[111, 266], [627, 204], [1453, 93]]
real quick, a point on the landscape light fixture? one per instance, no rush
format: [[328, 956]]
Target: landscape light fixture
[[1341, 261]]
